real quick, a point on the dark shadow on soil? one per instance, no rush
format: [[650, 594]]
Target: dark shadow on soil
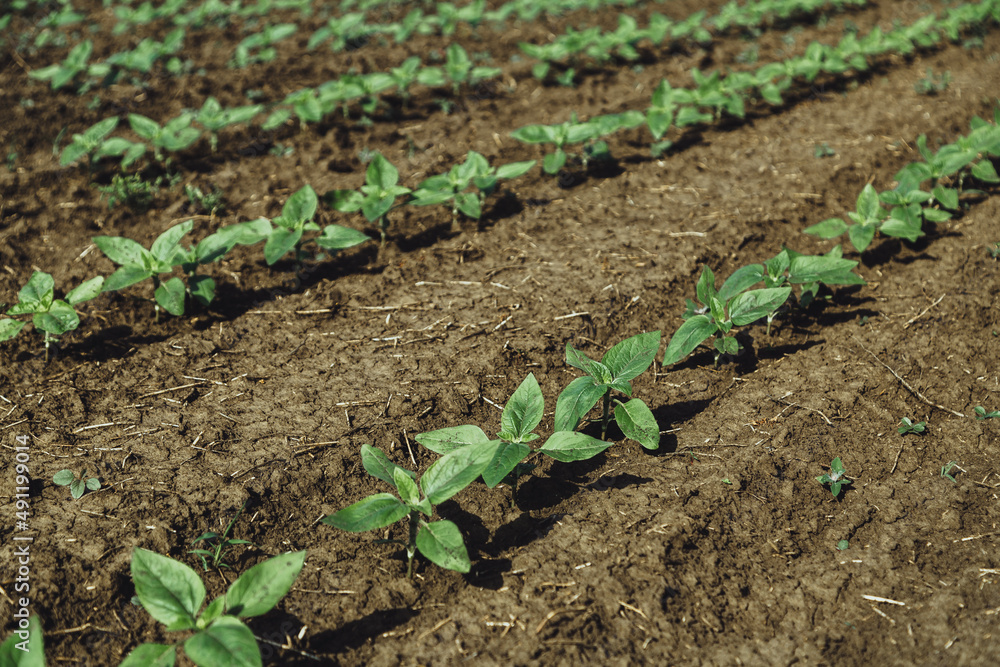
[[354, 634]]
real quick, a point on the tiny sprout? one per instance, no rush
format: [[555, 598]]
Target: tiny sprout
[[907, 426], [946, 470], [836, 478], [982, 414], [843, 545], [77, 486]]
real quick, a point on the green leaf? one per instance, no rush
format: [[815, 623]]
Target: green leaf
[[575, 401], [692, 333], [515, 169], [63, 478], [381, 173], [165, 246], [151, 655], [258, 589], [705, 288], [337, 237], [371, 513], [72, 153], [985, 171], [121, 250], [93, 484], [637, 422], [505, 459], [85, 291], [11, 655], [813, 268], [227, 642], [446, 440], [10, 328], [279, 243], [124, 277], [38, 290], [442, 544], [202, 289], [741, 279], [96, 132], [407, 488], [828, 229], [455, 471], [59, 319], [523, 411], [535, 134], [147, 128], [629, 358], [569, 446], [861, 236], [170, 591], [77, 489], [755, 304], [948, 197], [378, 465], [170, 295], [553, 162], [868, 204], [300, 208]]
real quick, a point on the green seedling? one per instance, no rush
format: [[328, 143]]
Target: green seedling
[[131, 190], [53, 317], [77, 485], [176, 135], [375, 198], [173, 594], [219, 545], [296, 218], [982, 414], [439, 541], [207, 202], [94, 143], [138, 264], [574, 132], [843, 545], [259, 47], [836, 478], [932, 84], [519, 418], [460, 71], [411, 72], [994, 250], [348, 31], [907, 426], [25, 647], [823, 150], [946, 470], [474, 172], [214, 118], [614, 372], [65, 72], [732, 305]]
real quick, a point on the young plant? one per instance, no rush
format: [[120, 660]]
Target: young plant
[[907, 426], [439, 541], [259, 47], [52, 316], [519, 418], [932, 84], [131, 190], [411, 72], [296, 218], [138, 264], [946, 470], [176, 135], [77, 485], [94, 143], [836, 478], [218, 545], [376, 197], [173, 594], [575, 132], [614, 372], [208, 202], [451, 187], [459, 69], [982, 414], [732, 305], [63, 73], [214, 118]]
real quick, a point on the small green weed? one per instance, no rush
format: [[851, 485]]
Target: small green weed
[[77, 485], [836, 478], [947, 468], [207, 202], [218, 544], [823, 150], [907, 426], [932, 84], [131, 190]]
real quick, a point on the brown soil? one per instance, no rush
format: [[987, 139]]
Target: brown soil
[[720, 548]]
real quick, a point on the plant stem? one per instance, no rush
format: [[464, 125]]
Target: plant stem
[[606, 417], [411, 547]]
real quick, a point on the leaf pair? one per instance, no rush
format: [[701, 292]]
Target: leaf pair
[[615, 371], [173, 594], [440, 541], [375, 198], [52, 316], [520, 416], [452, 186]]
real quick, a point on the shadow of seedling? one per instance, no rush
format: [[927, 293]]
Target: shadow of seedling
[[355, 633]]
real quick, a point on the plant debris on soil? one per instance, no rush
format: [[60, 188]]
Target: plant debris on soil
[[720, 547]]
